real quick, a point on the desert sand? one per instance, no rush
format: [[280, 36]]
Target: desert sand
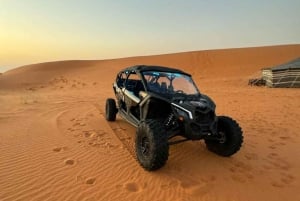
[[55, 143]]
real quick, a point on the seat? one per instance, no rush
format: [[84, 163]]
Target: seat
[[154, 87], [138, 87], [163, 87]]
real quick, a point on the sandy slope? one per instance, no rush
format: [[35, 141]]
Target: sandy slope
[[56, 145]]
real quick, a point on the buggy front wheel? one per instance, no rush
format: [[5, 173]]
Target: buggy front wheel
[[151, 144], [230, 137]]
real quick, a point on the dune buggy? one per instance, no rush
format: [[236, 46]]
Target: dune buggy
[[163, 103]]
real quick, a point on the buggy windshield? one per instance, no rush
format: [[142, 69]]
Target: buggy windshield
[[169, 83]]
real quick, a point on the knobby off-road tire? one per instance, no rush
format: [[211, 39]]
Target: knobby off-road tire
[[232, 137], [151, 144], [110, 109]]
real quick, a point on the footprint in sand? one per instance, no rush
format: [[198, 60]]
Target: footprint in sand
[[196, 188], [271, 140], [284, 137], [242, 166], [82, 124], [87, 133], [58, 149], [277, 184], [90, 115], [239, 178], [85, 180], [251, 156], [76, 124], [278, 162], [90, 180], [132, 187], [272, 147], [71, 129], [31, 89], [69, 162], [287, 178], [272, 155], [241, 171]]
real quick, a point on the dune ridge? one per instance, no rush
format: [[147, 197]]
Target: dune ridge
[[208, 63], [55, 143]]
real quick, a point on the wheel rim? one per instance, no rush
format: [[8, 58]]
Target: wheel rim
[[222, 137], [145, 146]]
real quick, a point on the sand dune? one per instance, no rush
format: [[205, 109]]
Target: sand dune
[[56, 145]]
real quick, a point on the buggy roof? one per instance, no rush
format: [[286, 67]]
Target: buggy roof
[[143, 68]]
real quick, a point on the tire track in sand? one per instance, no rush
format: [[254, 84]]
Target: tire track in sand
[[121, 132]]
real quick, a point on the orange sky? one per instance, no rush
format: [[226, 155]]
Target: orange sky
[[36, 31]]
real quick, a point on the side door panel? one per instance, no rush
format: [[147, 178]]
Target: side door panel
[[119, 87], [130, 91]]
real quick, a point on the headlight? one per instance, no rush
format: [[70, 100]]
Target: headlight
[[182, 111]]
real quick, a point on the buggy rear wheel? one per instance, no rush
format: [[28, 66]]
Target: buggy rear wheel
[[110, 110]]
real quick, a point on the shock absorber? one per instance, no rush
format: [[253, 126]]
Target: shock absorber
[[170, 120]]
